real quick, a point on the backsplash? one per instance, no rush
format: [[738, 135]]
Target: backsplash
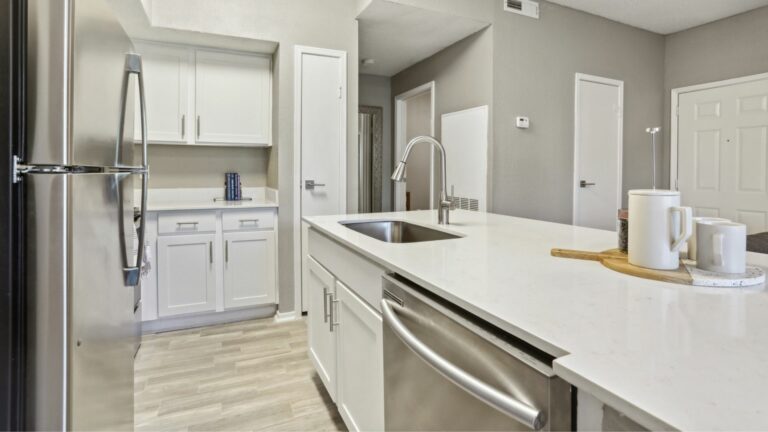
[[183, 166]]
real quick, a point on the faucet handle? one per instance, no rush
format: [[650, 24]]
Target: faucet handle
[[452, 199]]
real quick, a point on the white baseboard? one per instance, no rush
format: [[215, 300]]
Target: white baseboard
[[286, 316], [207, 319]]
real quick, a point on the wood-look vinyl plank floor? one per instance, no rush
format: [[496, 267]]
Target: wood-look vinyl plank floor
[[251, 375]]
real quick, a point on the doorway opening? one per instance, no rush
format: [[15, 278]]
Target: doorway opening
[[415, 116]]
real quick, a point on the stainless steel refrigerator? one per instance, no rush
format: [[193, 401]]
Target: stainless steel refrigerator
[[78, 173]]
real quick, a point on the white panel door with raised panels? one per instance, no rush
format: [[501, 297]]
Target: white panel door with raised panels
[[167, 82], [232, 98], [249, 268], [723, 152], [186, 276]]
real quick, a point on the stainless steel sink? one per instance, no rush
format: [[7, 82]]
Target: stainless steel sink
[[398, 231]]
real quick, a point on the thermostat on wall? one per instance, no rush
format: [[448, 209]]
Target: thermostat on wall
[[523, 122]]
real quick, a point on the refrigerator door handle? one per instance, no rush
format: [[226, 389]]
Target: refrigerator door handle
[[133, 65]]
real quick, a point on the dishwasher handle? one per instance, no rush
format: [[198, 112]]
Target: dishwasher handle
[[520, 411]]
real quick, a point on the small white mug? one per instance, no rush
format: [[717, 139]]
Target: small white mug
[[722, 247], [692, 240]]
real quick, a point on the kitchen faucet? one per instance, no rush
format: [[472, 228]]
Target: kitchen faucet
[[445, 205]]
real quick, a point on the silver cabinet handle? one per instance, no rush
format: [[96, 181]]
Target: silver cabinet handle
[[210, 252], [244, 221], [330, 314], [584, 184], [183, 224], [226, 250], [522, 412], [325, 304], [198, 127], [133, 66], [310, 184], [183, 126]]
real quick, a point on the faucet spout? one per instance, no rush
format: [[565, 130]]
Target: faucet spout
[[444, 207]]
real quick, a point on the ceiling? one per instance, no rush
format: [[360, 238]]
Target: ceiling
[[397, 36], [663, 16], [133, 17]]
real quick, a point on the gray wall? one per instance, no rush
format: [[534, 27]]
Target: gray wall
[[523, 66], [176, 166], [725, 49], [534, 71], [327, 24], [463, 75], [377, 91]]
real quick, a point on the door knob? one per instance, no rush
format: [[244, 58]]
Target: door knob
[[311, 185], [584, 184]]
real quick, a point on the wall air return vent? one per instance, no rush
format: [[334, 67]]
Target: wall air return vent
[[528, 8]]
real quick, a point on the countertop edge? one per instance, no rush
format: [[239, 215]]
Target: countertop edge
[[521, 333]]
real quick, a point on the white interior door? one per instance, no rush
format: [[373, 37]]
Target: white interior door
[[323, 134], [722, 156], [321, 141], [598, 142]]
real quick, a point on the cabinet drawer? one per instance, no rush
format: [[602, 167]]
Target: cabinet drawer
[[239, 220], [186, 222]]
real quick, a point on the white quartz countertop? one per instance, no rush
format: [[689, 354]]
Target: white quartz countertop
[[204, 199], [669, 356]]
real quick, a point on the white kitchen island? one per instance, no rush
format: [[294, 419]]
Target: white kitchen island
[[668, 356]]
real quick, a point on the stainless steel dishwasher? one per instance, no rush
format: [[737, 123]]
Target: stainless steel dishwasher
[[445, 369]]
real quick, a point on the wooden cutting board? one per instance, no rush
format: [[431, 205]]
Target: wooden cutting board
[[616, 260]]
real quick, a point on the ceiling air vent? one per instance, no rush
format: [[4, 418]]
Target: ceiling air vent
[[528, 8]]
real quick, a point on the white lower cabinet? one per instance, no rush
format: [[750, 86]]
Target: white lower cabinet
[[249, 268], [322, 341], [360, 381], [212, 266], [346, 347], [186, 274]]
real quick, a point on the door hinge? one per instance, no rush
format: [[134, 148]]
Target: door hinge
[[340, 90], [677, 111]]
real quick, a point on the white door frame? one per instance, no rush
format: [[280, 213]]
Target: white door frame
[[674, 118], [576, 140], [299, 51], [400, 139]]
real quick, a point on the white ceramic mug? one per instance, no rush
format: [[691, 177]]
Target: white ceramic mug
[[692, 241], [722, 247], [658, 228]]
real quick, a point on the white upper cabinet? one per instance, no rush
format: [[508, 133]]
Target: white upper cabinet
[[232, 98], [206, 97], [167, 84]]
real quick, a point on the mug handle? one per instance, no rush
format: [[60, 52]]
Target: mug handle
[[686, 227], [718, 245]]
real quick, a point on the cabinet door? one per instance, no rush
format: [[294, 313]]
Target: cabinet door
[[233, 98], [322, 340], [360, 351], [249, 268], [186, 276], [166, 83]]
